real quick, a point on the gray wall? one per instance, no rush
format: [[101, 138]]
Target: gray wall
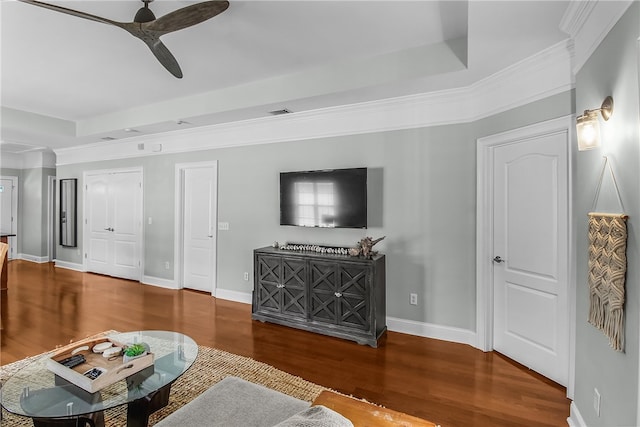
[[611, 70], [33, 215], [32, 228], [422, 193]]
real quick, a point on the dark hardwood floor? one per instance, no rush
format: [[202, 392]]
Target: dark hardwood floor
[[447, 383]]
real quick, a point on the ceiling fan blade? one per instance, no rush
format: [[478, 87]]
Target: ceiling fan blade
[[163, 55], [187, 16], [73, 12]]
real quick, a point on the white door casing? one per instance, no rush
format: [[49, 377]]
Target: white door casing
[[196, 225], [526, 303], [9, 211], [113, 223], [51, 217]]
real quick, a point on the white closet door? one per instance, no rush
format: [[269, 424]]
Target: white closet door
[[199, 228], [98, 228], [114, 224]]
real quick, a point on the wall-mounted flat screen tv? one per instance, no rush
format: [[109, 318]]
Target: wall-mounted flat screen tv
[[334, 198]]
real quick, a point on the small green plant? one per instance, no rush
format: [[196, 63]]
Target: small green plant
[[135, 350]]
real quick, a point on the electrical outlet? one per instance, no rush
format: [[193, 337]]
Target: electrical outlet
[[596, 401], [245, 276], [166, 265], [413, 299]]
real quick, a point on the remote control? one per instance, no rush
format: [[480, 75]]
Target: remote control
[[73, 361], [93, 373]]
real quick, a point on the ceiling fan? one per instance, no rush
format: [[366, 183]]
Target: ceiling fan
[[147, 28]]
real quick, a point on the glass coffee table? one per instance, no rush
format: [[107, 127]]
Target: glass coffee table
[[36, 392]]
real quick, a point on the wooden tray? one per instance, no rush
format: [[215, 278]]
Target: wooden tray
[[116, 368]]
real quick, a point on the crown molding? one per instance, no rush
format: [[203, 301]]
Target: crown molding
[[588, 23], [575, 16], [539, 76]]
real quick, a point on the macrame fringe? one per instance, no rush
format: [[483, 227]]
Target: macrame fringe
[[596, 312], [610, 322]]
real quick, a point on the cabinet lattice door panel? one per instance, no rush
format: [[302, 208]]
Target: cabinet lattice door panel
[[354, 288], [329, 294], [281, 285], [339, 294], [294, 289], [268, 278], [323, 288]]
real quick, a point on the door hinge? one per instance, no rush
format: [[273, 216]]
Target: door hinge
[[85, 255]]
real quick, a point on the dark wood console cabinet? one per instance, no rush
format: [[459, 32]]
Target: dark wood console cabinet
[[335, 295]]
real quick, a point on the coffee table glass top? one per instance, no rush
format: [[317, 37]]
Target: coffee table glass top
[[34, 391]]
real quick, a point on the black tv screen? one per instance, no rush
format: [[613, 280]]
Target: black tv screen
[[335, 198]]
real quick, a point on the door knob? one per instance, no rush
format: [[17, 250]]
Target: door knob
[[498, 260]]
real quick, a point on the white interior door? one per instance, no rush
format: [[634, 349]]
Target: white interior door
[[531, 277], [9, 210], [113, 208], [199, 228], [125, 197], [97, 223]]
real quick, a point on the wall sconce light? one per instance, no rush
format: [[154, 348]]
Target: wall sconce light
[[588, 126]]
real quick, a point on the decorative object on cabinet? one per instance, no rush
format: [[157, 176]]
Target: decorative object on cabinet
[[329, 294], [364, 247], [305, 247]]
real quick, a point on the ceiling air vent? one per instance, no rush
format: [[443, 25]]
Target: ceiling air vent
[[280, 112]]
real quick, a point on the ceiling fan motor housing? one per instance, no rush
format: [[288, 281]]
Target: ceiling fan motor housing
[[144, 14]]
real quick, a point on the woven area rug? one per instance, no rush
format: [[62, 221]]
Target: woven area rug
[[210, 366]]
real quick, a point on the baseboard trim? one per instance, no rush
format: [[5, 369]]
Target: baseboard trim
[[575, 419], [430, 330], [159, 282], [70, 265], [427, 330], [237, 296], [33, 258]]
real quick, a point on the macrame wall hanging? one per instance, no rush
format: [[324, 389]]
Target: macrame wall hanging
[[607, 268]]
